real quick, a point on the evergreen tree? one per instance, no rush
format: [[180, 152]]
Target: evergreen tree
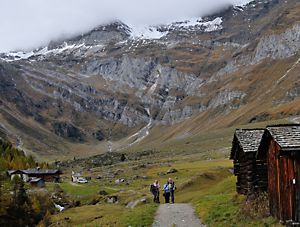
[[4, 202], [20, 207]]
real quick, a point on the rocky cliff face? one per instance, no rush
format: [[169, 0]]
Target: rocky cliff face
[[106, 85], [279, 46]]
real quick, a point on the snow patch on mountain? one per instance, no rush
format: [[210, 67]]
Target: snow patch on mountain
[[213, 25], [20, 55], [243, 3], [60, 49], [146, 32], [15, 56], [136, 32], [159, 31], [197, 23]]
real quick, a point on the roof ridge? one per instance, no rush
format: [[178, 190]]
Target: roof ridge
[[249, 129], [283, 125], [286, 135], [249, 139]]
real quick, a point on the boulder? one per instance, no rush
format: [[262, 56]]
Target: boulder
[[93, 202], [172, 170], [120, 181], [102, 192], [112, 199], [143, 200], [133, 204]]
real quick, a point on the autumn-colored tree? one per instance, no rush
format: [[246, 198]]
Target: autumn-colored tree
[[13, 158]]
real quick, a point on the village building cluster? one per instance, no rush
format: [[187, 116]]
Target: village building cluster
[[36, 177], [268, 160]]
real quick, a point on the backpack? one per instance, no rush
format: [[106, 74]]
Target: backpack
[[152, 188], [166, 188], [172, 187]]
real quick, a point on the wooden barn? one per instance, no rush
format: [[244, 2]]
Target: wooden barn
[[246, 167], [280, 147], [48, 175]]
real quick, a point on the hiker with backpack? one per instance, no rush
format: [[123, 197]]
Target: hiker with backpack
[[167, 192], [169, 189], [154, 189], [172, 188]]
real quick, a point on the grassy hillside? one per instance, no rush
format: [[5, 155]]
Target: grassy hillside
[[211, 142], [208, 185], [205, 182]]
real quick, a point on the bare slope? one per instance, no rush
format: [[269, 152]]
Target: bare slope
[[83, 98]]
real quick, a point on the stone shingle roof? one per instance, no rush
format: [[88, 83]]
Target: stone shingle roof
[[76, 175], [249, 139], [287, 136], [40, 171], [34, 171], [10, 172]]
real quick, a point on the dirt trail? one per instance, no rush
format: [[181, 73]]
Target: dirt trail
[[74, 184], [295, 120], [176, 215]]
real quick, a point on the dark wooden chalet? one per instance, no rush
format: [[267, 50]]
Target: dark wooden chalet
[[280, 146], [47, 175], [50, 175], [243, 153]]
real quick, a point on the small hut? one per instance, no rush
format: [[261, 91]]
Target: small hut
[[280, 147], [75, 176], [244, 148], [37, 182]]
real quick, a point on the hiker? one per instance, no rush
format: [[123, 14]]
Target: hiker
[[167, 192], [154, 188], [172, 188]]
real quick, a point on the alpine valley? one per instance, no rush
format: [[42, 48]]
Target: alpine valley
[[120, 88]]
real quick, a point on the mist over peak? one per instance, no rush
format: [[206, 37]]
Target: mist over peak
[[30, 24]]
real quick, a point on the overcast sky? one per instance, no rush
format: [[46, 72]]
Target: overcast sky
[[28, 24]]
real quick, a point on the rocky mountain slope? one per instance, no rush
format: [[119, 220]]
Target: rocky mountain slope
[[111, 89]]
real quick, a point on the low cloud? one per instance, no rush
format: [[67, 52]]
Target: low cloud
[[28, 24]]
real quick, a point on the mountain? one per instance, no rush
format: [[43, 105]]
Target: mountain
[[118, 87]]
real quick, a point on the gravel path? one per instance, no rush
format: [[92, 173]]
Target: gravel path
[[176, 215]]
